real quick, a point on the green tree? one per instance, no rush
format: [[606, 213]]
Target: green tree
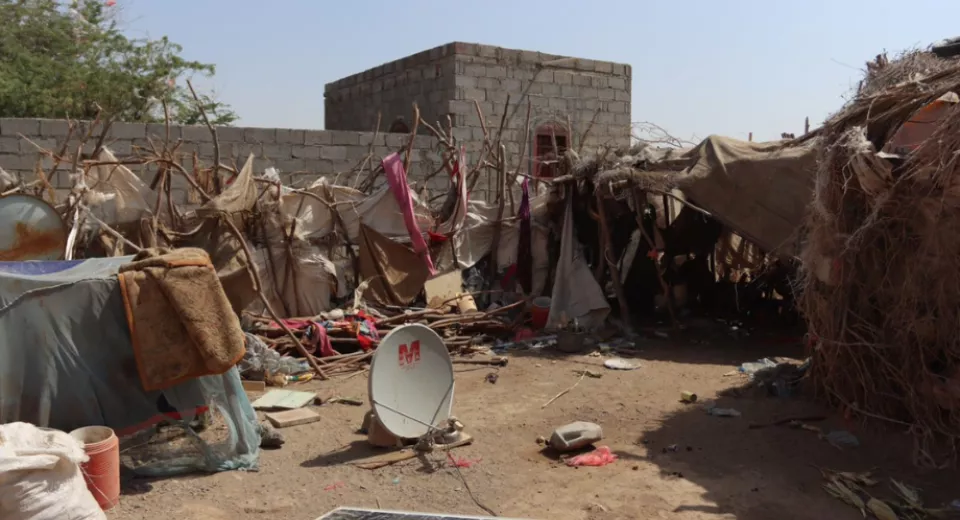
[[62, 60]]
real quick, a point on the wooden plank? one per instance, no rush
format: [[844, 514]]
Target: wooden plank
[[289, 418], [254, 386], [284, 399]]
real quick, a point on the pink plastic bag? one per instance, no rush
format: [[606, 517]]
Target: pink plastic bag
[[598, 457]]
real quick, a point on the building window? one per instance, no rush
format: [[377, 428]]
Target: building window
[[399, 127], [545, 158]]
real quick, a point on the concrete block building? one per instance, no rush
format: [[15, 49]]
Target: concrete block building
[[446, 81]]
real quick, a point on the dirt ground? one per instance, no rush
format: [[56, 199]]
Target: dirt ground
[[721, 468]]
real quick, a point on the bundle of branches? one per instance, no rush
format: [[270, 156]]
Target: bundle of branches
[[881, 288]]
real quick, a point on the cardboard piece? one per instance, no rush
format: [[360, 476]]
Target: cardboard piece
[[289, 418]]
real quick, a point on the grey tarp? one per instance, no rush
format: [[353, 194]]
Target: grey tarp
[[66, 361], [760, 190]]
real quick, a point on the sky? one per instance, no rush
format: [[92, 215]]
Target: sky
[[700, 67]]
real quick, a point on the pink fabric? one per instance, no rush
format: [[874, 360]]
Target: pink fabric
[[321, 339], [598, 457], [397, 179]]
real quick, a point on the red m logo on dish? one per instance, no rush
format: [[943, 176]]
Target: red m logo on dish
[[410, 355]]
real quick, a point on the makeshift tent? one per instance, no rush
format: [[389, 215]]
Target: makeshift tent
[[66, 361]]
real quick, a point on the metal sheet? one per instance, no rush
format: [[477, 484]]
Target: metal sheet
[[30, 229], [369, 514]]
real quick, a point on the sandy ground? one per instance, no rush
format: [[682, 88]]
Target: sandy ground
[[721, 469]]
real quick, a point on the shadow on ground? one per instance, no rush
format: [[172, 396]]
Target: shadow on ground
[[774, 473]]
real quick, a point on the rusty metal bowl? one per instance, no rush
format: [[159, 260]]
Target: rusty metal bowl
[[30, 229]]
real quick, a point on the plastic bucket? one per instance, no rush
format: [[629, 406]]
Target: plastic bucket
[[540, 312], [102, 471]]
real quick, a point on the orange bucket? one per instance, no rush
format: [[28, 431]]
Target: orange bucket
[[102, 471], [540, 312]]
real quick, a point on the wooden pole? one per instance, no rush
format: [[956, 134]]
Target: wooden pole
[[612, 264]]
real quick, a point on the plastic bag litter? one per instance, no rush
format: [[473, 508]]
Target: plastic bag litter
[[40, 476], [753, 367], [598, 457], [261, 358]]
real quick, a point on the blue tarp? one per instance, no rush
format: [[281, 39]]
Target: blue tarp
[[66, 361]]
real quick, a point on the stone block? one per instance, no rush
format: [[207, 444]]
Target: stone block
[[603, 67], [619, 69], [582, 80], [562, 77], [584, 64], [622, 95], [346, 138], [9, 145], [617, 107], [195, 133], [477, 70], [158, 131], [462, 133], [132, 130], [334, 153], [496, 71], [287, 136], [499, 96], [230, 134], [395, 140], [544, 76], [622, 119], [488, 83], [276, 151], [539, 101], [465, 81], [54, 128], [305, 152], [607, 94], [601, 82], [315, 137], [570, 91], [13, 127], [551, 89], [290, 165], [557, 103], [618, 83], [473, 94], [257, 135], [120, 148], [511, 86]]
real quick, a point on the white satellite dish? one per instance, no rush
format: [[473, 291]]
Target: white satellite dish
[[411, 381]]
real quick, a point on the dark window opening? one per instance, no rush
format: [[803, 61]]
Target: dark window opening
[[399, 127], [545, 156]]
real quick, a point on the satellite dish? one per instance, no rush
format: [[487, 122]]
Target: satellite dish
[[411, 381], [30, 229]]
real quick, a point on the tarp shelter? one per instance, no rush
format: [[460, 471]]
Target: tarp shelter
[[66, 361]]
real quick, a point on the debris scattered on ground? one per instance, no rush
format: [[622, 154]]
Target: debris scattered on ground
[[284, 399], [352, 401], [907, 503], [588, 373], [712, 409], [842, 439], [461, 462], [576, 435], [564, 392], [620, 364], [688, 397], [296, 417], [269, 436], [598, 457], [492, 378]]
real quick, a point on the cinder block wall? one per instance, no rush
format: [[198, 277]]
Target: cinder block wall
[[352, 103], [558, 89], [302, 156], [448, 79]]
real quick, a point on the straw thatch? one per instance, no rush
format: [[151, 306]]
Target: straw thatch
[[881, 291]]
